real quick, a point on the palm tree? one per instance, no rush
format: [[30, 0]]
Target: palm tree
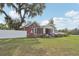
[[29, 10]]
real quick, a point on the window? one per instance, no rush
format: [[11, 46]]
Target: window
[[34, 30]]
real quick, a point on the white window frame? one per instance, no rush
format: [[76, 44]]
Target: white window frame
[[34, 30]]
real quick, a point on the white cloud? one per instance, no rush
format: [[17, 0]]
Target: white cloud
[[64, 22], [74, 16], [69, 23], [72, 13], [44, 22], [13, 14], [58, 20], [76, 21]]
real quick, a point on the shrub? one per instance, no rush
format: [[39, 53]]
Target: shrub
[[61, 35], [44, 36]]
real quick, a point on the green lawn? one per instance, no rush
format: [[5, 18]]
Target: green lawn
[[40, 46]]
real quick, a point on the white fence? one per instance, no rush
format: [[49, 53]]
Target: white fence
[[12, 34]]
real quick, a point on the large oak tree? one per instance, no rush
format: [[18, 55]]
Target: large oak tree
[[24, 10]]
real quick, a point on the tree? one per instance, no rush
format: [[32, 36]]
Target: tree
[[24, 10], [75, 31], [65, 30], [51, 23], [3, 26], [13, 24]]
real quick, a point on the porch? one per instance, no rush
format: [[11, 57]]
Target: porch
[[43, 31]]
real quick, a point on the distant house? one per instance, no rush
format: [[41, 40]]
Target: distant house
[[35, 30]]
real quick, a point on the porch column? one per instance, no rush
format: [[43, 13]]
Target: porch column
[[53, 30], [44, 31]]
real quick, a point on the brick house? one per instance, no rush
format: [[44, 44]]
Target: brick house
[[35, 30]]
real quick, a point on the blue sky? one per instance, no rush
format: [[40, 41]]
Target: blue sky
[[64, 15]]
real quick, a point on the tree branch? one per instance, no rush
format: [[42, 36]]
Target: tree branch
[[21, 4], [14, 6], [24, 13], [4, 13]]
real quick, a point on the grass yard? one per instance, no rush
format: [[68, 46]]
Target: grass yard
[[40, 46]]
